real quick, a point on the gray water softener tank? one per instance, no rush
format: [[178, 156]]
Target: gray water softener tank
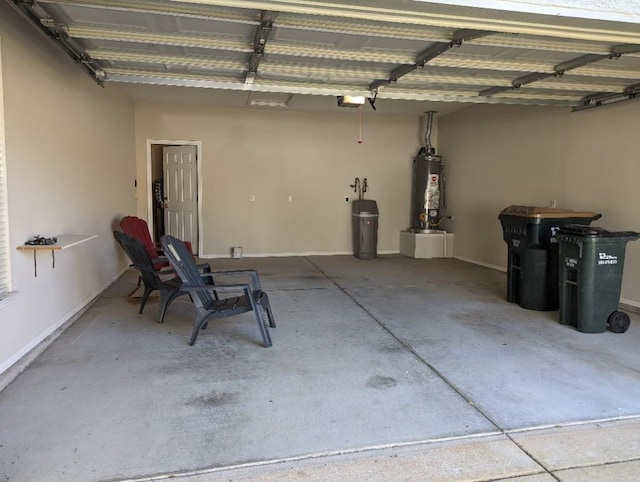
[[364, 220]]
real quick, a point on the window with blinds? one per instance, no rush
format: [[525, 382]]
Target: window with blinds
[[5, 268]]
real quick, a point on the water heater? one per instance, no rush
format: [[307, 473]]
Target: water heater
[[427, 197], [427, 191]]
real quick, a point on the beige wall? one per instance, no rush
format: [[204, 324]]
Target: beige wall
[[271, 154], [502, 155], [70, 170]]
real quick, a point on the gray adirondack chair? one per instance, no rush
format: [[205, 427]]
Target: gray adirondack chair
[[149, 274], [209, 299]]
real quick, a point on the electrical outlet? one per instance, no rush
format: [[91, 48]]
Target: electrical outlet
[[290, 198], [346, 199], [252, 198]]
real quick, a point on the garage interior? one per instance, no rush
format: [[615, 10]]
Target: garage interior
[[399, 363]]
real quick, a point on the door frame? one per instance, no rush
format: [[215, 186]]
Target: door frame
[[149, 194]]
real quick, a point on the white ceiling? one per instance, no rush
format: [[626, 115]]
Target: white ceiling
[[410, 56]]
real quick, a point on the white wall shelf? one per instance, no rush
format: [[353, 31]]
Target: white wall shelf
[[64, 241]]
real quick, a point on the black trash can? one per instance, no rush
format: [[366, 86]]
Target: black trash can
[[364, 222], [591, 267], [532, 267]]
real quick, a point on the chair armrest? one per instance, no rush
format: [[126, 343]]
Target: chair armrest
[[255, 280], [166, 273], [161, 260], [217, 288], [163, 274]]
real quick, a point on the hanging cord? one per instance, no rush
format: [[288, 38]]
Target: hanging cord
[[359, 124]]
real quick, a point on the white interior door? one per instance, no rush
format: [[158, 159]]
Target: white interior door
[[181, 193]]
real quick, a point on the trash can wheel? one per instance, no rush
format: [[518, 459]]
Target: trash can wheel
[[619, 322]]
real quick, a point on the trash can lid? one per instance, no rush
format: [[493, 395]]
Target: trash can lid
[[539, 212], [595, 231], [364, 206]]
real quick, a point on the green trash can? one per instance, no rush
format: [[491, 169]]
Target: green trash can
[[591, 267], [532, 259]]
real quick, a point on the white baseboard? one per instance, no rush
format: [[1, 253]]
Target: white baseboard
[[630, 305], [14, 365], [479, 263]]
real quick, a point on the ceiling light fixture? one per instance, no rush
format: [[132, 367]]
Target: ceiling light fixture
[[351, 100]]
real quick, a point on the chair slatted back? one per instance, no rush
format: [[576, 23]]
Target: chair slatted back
[[139, 258], [139, 229], [183, 263]]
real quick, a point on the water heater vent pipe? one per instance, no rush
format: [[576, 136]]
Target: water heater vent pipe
[[427, 138]]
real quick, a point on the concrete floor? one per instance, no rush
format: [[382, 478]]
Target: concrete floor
[[387, 369]]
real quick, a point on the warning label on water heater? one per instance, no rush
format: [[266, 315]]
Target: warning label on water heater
[[432, 194], [604, 258]]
